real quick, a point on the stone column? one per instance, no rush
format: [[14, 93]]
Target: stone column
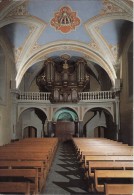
[[49, 128], [80, 128], [117, 118]]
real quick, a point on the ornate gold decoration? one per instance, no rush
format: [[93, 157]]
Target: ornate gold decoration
[[65, 20]]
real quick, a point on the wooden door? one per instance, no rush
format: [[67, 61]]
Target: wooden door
[[65, 130]]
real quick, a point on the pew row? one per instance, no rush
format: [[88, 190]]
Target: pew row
[[19, 158], [109, 174], [98, 165], [15, 187], [22, 174], [119, 189]]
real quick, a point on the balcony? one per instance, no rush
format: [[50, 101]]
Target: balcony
[[94, 96]]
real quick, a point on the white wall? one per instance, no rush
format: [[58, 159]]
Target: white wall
[[6, 127]]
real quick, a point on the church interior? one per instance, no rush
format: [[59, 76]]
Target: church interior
[[66, 97]]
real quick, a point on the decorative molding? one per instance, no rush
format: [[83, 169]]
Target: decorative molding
[[115, 51], [17, 53], [4, 4], [36, 46], [65, 20], [9, 6], [94, 46], [124, 5], [110, 8], [20, 10]]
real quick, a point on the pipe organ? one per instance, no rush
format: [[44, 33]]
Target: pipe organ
[[64, 77]]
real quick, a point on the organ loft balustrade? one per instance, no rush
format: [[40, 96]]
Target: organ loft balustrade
[[93, 96]]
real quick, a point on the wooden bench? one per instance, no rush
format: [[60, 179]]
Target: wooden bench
[[15, 187], [119, 189], [93, 165], [106, 158], [39, 165], [105, 153], [110, 174], [17, 159], [32, 149], [27, 157], [24, 174]]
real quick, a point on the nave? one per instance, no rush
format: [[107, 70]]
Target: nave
[[66, 175]]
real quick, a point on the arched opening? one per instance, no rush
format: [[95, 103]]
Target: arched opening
[[99, 131], [32, 123], [98, 122], [29, 132], [65, 123]]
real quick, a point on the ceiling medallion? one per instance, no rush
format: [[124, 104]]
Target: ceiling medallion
[[65, 20]]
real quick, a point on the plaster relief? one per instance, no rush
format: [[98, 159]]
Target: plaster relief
[[65, 20]]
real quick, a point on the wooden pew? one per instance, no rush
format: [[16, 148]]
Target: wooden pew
[[39, 165], [27, 157], [105, 153], [31, 149], [15, 187], [35, 154], [106, 149], [24, 174], [119, 189], [106, 158], [98, 165], [110, 174]]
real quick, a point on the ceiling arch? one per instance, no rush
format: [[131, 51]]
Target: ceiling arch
[[93, 25], [63, 46]]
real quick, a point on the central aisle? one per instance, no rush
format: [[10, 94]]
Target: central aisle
[[65, 176]]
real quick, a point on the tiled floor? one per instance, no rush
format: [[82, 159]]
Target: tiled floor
[[65, 176]]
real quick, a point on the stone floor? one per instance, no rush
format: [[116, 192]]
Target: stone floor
[[66, 176]]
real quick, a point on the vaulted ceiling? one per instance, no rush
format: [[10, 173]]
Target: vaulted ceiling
[[95, 33]]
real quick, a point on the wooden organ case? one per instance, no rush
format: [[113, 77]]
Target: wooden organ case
[[64, 77]]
